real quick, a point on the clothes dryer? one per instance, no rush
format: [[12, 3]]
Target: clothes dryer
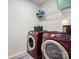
[[56, 45], [34, 42]]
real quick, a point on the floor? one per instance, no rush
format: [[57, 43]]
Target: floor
[[24, 57]]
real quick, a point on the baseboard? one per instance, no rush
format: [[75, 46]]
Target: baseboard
[[22, 53]]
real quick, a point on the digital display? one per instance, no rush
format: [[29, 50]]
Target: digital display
[[59, 36]]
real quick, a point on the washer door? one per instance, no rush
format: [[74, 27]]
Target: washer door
[[53, 50], [31, 43]]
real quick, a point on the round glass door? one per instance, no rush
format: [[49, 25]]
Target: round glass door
[[31, 42], [53, 50]]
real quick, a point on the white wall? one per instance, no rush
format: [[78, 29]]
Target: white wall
[[53, 18], [22, 18]]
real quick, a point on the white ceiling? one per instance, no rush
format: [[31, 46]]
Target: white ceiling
[[39, 2]]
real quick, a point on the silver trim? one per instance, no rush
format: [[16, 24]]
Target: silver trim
[[64, 52]]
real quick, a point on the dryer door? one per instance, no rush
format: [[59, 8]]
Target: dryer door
[[31, 42], [53, 50]]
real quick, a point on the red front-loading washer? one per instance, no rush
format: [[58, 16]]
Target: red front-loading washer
[[34, 42], [56, 45]]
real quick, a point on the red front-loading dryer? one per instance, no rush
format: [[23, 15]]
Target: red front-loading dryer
[[56, 45], [34, 42]]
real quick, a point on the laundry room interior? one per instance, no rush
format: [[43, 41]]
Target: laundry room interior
[[34, 23]]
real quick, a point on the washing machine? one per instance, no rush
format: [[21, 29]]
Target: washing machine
[[34, 42], [56, 45]]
